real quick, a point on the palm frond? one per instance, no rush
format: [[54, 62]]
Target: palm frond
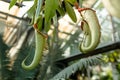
[[83, 63], [4, 61], [72, 42]]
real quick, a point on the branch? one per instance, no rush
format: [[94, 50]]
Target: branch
[[13, 16], [100, 50]]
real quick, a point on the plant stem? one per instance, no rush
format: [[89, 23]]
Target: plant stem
[[56, 39]]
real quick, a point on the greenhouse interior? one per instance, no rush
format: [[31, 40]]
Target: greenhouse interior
[[59, 39]]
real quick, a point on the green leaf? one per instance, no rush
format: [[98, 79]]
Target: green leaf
[[50, 10], [31, 11], [72, 1], [47, 25], [12, 3], [70, 11], [39, 22], [61, 11]]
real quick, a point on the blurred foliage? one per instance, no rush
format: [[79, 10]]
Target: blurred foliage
[[59, 48], [5, 73], [15, 72]]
